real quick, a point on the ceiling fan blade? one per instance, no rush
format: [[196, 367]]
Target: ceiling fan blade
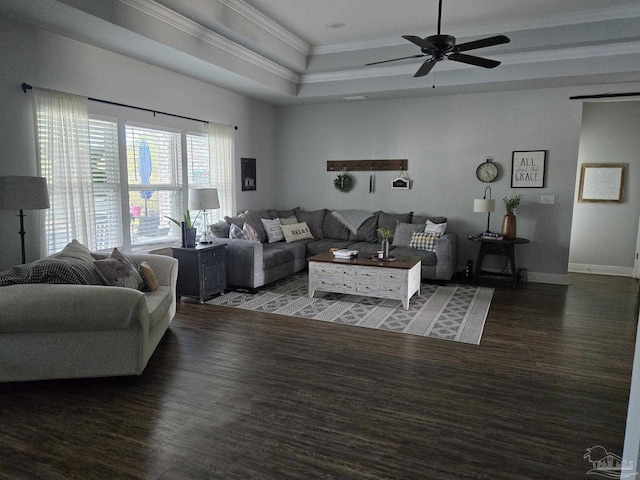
[[485, 42], [473, 60], [396, 59], [421, 42], [426, 67]]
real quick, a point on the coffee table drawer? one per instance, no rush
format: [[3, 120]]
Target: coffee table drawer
[[368, 275], [367, 288], [334, 271], [392, 276], [333, 285]]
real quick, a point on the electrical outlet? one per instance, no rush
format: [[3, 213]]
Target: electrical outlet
[[547, 199]]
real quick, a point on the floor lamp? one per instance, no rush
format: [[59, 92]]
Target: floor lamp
[[204, 199], [23, 193], [485, 205]]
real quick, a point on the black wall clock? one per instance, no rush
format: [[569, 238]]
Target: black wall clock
[[487, 171]]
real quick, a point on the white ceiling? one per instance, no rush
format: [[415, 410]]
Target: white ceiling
[[284, 52]]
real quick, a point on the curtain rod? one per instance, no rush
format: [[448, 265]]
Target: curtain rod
[[26, 86], [605, 95]]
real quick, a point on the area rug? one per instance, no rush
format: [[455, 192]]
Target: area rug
[[455, 312]]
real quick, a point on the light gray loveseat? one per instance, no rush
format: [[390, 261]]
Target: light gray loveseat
[[252, 264], [53, 331]]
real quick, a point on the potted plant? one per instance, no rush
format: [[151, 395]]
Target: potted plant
[[187, 229], [511, 204], [385, 233]]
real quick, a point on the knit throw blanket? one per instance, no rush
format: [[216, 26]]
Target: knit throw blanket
[[352, 219]]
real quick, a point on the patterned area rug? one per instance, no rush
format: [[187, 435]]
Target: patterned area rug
[[455, 312]]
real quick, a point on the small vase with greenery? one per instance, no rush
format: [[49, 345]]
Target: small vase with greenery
[[189, 236], [511, 204], [385, 233]]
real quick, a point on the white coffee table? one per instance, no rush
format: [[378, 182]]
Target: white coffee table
[[398, 280]]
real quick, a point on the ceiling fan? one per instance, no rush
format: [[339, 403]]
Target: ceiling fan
[[438, 47]]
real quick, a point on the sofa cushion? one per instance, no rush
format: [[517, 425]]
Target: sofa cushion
[[273, 229], [253, 218], [424, 219], [75, 250], [220, 229], [367, 232], [288, 220], [314, 220], [403, 232], [284, 213], [323, 245], [119, 271], [158, 302], [334, 228], [390, 220], [296, 232]]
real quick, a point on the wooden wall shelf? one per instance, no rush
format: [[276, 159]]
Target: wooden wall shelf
[[367, 165]]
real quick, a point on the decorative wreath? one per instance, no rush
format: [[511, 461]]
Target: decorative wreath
[[343, 182]]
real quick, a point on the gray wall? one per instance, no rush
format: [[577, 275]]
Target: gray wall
[[47, 60], [610, 134], [444, 139]]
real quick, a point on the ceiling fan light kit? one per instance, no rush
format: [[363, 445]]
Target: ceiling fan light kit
[[440, 46]]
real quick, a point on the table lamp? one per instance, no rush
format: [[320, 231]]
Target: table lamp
[[204, 199], [485, 205], [23, 193]]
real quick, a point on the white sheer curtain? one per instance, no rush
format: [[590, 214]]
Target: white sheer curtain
[[63, 155], [222, 164]]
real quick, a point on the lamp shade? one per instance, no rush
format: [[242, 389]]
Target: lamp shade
[[484, 205], [23, 193], [203, 199]]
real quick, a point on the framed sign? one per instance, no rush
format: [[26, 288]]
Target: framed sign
[[248, 173], [528, 169], [602, 182]]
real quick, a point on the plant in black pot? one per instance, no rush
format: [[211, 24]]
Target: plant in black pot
[[187, 229]]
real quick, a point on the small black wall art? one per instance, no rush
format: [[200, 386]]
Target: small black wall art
[[248, 173]]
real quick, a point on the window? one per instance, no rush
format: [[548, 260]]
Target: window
[[154, 175], [114, 183]]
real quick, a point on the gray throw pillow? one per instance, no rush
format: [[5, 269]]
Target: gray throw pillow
[[314, 220], [403, 233], [390, 220], [334, 228], [367, 232], [220, 229], [423, 219], [119, 271]]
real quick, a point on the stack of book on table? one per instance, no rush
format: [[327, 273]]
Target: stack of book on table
[[345, 253], [492, 236]]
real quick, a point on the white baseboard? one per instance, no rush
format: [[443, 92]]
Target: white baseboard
[[601, 269]]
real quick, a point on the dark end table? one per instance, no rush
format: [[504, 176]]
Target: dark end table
[[505, 248]]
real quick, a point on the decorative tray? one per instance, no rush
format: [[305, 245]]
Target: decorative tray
[[388, 259]]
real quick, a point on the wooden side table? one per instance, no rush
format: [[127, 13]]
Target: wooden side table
[[201, 271], [505, 248]]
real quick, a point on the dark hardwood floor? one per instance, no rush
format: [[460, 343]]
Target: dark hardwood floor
[[231, 394]]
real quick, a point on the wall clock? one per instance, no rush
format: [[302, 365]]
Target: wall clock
[[487, 171]]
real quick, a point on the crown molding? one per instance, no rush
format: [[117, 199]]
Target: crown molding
[[613, 13], [266, 24], [188, 26], [592, 52]]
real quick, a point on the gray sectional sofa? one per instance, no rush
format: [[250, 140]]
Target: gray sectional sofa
[[252, 264]]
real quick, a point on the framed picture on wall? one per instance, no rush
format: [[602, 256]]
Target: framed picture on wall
[[602, 182], [248, 173], [528, 169]]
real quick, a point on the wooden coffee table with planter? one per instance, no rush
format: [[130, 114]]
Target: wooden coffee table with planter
[[371, 277]]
